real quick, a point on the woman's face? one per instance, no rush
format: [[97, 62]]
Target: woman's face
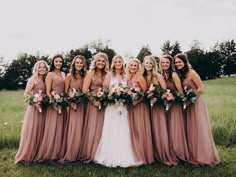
[[118, 63], [165, 63], [58, 63], [133, 67], [100, 62], [148, 65], [42, 69], [179, 64], [79, 64]]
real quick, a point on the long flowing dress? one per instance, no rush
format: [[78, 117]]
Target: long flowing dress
[[202, 149], [176, 129], [140, 128], [32, 130], [115, 148], [93, 125], [160, 135], [74, 127], [50, 147]]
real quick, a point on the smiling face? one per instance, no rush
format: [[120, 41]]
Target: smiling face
[[179, 64], [42, 69], [118, 63], [100, 62], [148, 65], [58, 63], [79, 64], [165, 63], [133, 67]]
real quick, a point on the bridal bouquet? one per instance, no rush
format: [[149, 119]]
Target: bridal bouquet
[[167, 98], [189, 96], [118, 94], [152, 93], [74, 98], [58, 101], [39, 100], [102, 97]]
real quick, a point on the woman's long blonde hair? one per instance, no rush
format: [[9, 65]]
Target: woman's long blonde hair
[[35, 72], [154, 68], [139, 71], [112, 70], [93, 66]]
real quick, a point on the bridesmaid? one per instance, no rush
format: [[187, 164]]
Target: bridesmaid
[[32, 129], [50, 147], [202, 149], [94, 117], [158, 116], [175, 118], [75, 118], [139, 117]]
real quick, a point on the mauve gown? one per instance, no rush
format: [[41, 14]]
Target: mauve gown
[[140, 130], [176, 128], [160, 135], [32, 130], [50, 148], [92, 127], [202, 149], [74, 127]]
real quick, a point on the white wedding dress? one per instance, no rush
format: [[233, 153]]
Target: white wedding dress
[[114, 148]]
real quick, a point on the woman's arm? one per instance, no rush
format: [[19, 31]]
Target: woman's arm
[[29, 87], [177, 82]]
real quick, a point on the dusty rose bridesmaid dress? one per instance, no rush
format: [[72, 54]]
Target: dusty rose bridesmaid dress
[[202, 149], [32, 130], [160, 135], [92, 126], [74, 127], [176, 129], [50, 147], [140, 130]]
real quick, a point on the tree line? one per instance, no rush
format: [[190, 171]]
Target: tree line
[[219, 61]]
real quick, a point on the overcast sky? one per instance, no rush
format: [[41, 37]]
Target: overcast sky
[[52, 26]]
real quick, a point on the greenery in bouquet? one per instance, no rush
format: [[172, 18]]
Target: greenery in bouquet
[[152, 94], [39, 100], [102, 97], [167, 98], [74, 98], [58, 101]]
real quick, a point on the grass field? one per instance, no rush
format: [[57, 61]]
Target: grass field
[[219, 94]]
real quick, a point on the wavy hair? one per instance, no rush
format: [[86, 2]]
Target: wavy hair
[[35, 72], [93, 66], [73, 69], [139, 67], [168, 75], [52, 66], [187, 66], [112, 69]]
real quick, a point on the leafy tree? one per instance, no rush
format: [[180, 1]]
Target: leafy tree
[[145, 51], [175, 49], [99, 46], [166, 48], [227, 51]]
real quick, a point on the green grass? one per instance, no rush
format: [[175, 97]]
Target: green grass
[[53, 169], [220, 97]]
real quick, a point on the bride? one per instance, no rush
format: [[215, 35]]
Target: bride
[[115, 148]]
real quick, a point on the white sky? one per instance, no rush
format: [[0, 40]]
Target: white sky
[[51, 26]]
